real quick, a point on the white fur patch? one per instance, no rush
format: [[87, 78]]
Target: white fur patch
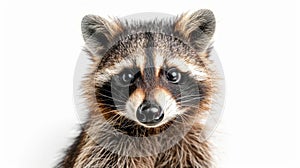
[[132, 104], [167, 103], [129, 62], [196, 72], [158, 63], [140, 61]]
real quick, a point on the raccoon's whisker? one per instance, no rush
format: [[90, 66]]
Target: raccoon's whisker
[[203, 110], [110, 105], [186, 100], [189, 100], [119, 100], [187, 88], [122, 96], [107, 112], [111, 120], [193, 95], [113, 98], [190, 106], [183, 118], [194, 107], [190, 96], [187, 92]]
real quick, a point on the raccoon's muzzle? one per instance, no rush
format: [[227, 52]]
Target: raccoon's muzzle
[[149, 113]]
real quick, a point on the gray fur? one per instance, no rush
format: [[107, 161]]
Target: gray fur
[[99, 144]]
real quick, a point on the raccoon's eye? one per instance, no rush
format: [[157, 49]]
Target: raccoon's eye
[[173, 75], [126, 77]]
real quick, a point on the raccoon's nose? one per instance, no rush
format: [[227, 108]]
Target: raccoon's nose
[[149, 113]]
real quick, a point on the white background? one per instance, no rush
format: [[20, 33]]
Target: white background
[[256, 42]]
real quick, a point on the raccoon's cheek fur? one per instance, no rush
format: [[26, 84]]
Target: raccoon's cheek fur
[[168, 104], [134, 101]]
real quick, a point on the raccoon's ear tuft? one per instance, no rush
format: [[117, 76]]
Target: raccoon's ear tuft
[[98, 33], [197, 28]]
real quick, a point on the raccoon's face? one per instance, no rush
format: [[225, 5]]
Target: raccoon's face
[[150, 76]]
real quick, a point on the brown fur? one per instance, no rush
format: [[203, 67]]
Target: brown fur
[[175, 144]]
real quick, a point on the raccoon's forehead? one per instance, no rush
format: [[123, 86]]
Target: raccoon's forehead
[[151, 50]]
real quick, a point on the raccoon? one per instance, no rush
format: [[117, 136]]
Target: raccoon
[[147, 90]]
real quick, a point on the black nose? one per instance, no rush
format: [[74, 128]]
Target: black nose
[[149, 113]]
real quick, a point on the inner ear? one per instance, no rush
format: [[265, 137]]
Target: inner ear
[[197, 28], [98, 33]]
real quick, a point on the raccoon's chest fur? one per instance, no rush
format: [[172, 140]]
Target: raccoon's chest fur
[[189, 152]]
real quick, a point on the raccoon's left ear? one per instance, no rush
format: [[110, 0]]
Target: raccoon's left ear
[[98, 33], [197, 28]]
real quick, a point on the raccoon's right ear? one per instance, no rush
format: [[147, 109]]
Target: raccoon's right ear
[[197, 28], [98, 33]]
